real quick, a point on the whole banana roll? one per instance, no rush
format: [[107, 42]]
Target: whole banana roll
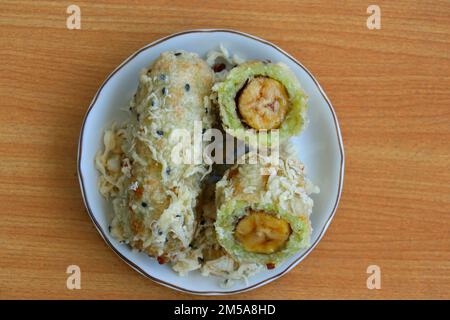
[[156, 212]]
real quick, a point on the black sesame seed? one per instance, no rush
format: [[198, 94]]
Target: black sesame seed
[[144, 204], [187, 87], [160, 233], [152, 102], [164, 91], [138, 116], [160, 132], [177, 216], [178, 53], [168, 171], [109, 228], [203, 131], [162, 77]]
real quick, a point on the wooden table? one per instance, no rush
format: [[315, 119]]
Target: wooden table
[[390, 88]]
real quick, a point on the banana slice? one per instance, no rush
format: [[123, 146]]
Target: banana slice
[[261, 232], [263, 103]]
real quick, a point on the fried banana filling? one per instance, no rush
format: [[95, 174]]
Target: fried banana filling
[[263, 103], [261, 232]]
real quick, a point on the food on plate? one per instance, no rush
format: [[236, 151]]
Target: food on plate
[[263, 210], [226, 221], [257, 96], [154, 196]]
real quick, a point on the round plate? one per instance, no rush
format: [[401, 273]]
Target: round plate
[[319, 147]]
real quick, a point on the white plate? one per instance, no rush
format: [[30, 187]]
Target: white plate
[[319, 147]]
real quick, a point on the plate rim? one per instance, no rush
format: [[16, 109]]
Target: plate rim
[[131, 263]]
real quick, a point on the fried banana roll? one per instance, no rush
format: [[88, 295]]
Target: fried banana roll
[[263, 210], [259, 96], [157, 213]]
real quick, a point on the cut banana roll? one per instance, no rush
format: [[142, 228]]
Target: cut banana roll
[[258, 97], [263, 210]]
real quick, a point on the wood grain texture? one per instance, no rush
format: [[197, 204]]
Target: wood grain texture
[[390, 89]]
